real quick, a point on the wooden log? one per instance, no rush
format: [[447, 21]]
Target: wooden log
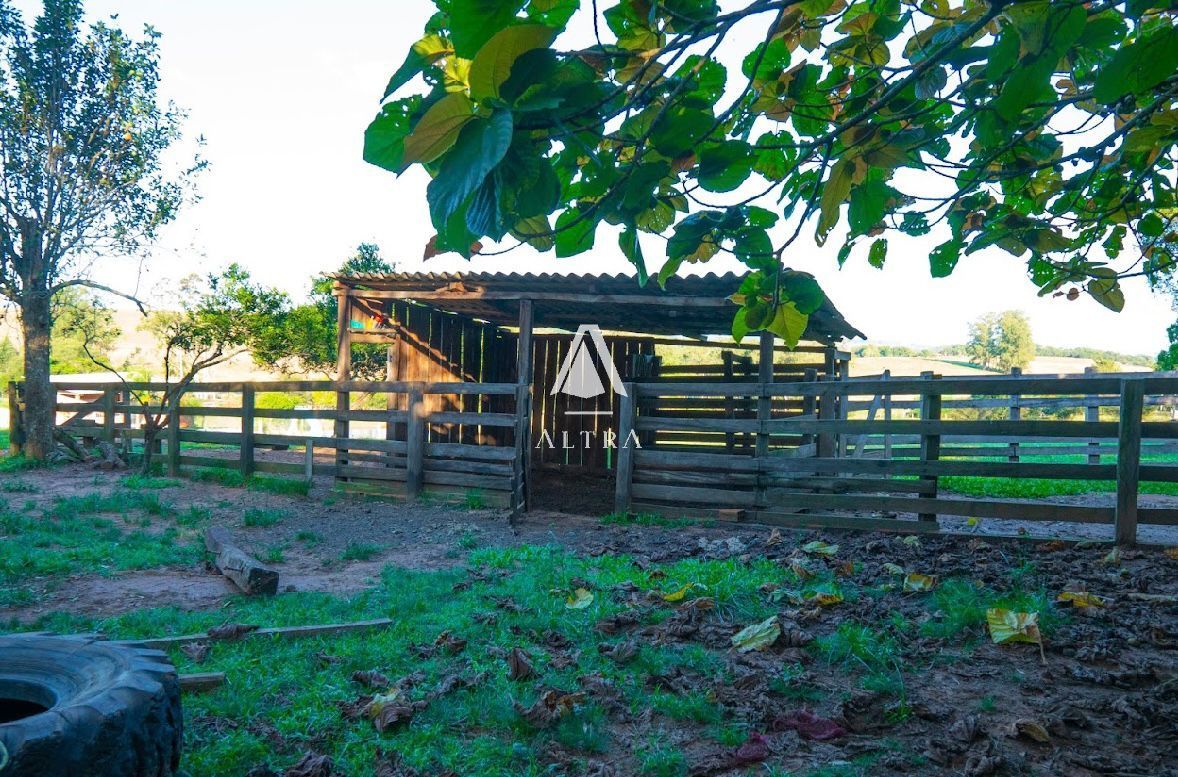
[[283, 632], [246, 572], [201, 681]]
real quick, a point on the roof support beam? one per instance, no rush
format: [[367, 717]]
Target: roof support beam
[[588, 299]]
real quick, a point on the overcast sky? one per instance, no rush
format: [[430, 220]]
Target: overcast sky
[[282, 91]]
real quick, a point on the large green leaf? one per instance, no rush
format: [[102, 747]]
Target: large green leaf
[[944, 258], [492, 65], [1141, 65], [878, 254], [425, 52], [473, 22], [384, 140], [834, 193], [575, 231], [788, 323], [726, 166], [439, 128], [480, 146]]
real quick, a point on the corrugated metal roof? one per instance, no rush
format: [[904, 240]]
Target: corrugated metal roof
[[826, 324]]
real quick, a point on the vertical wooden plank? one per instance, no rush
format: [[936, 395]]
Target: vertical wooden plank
[[930, 444], [16, 436], [108, 414], [415, 442], [1016, 414], [844, 372], [624, 479], [174, 433], [391, 371], [826, 442], [309, 460], [523, 403], [247, 429], [729, 400], [1128, 460], [343, 371], [809, 404], [765, 377], [1092, 414], [887, 410]]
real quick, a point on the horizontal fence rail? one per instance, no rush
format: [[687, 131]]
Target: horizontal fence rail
[[425, 439], [861, 452]]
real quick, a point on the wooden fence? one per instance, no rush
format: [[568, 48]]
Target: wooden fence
[[409, 449], [826, 467]]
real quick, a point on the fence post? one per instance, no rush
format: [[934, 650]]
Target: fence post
[[827, 442], [1016, 414], [843, 440], [108, 414], [764, 401], [1091, 415], [624, 475], [1128, 460], [247, 430], [16, 427], [887, 411], [930, 444], [809, 402], [415, 442], [174, 434], [309, 460]]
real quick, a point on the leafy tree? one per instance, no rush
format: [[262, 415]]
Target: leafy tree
[[80, 321], [1046, 129], [1168, 359], [10, 364], [213, 320], [1001, 341], [307, 333], [81, 136], [1104, 364]]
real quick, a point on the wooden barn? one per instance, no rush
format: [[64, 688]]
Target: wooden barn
[[492, 329]]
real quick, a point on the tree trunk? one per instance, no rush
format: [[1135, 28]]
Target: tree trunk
[[40, 397]]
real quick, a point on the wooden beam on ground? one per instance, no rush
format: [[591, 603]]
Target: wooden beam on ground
[[201, 681], [283, 632], [246, 572]]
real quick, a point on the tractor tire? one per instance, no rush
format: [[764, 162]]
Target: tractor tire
[[79, 706]]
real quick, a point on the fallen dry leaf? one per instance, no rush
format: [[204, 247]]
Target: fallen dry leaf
[[678, 595], [1114, 556], [519, 666], [1031, 729], [579, 599], [449, 643], [1009, 626], [914, 582], [893, 569], [231, 631], [774, 538], [549, 708], [820, 548], [311, 765], [197, 651], [801, 569], [371, 679], [1080, 599], [757, 636], [808, 725]]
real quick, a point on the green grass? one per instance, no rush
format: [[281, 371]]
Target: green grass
[[258, 516], [360, 551], [272, 717], [231, 478], [84, 534]]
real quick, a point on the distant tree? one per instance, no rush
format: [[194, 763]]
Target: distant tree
[[82, 133], [10, 364], [1168, 359], [214, 319], [1001, 341], [1104, 364], [80, 321], [308, 331]]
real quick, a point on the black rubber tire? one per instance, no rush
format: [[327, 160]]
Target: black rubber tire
[[112, 710]]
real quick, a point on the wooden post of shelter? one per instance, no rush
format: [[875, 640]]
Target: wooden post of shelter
[[415, 442], [624, 482], [108, 414], [343, 372], [1016, 414], [1128, 460], [523, 407], [1092, 415], [392, 374], [764, 408], [930, 442]]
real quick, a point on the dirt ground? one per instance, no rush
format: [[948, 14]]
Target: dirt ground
[[417, 536]]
